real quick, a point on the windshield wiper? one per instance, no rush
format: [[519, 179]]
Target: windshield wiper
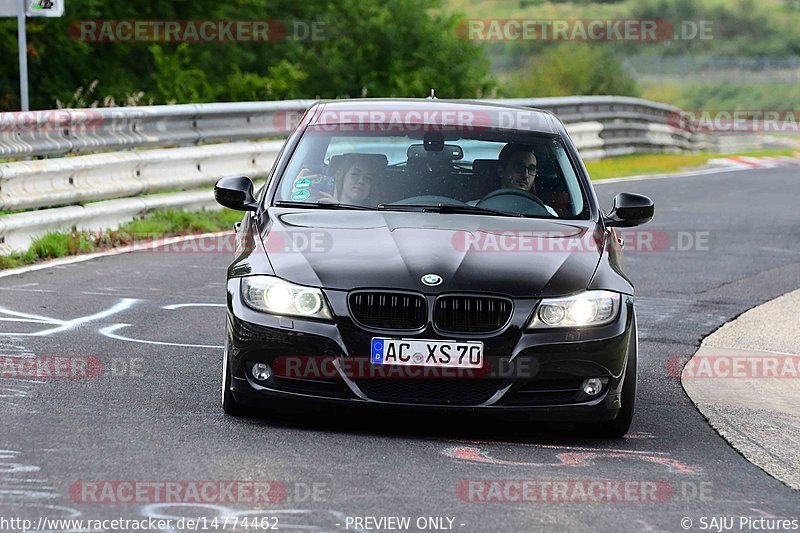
[[449, 208], [319, 205]]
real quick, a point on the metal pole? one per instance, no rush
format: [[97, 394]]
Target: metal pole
[[23, 56]]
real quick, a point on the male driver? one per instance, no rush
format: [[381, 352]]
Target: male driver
[[517, 169]]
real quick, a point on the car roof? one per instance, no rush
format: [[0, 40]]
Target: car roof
[[426, 111]]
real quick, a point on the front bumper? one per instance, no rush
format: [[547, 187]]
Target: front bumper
[[540, 373]]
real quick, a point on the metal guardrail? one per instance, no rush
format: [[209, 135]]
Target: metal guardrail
[[65, 131], [121, 182], [71, 180]]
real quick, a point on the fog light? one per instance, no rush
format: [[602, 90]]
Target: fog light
[[593, 386], [261, 371]]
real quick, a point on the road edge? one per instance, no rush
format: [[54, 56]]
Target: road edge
[[757, 415]]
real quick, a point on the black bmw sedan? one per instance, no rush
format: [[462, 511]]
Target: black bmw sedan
[[432, 254]]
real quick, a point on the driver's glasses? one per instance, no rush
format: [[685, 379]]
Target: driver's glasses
[[520, 168]]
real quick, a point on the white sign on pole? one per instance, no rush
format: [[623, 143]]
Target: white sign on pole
[[33, 8], [22, 9], [44, 8]]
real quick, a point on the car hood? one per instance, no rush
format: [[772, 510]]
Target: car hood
[[368, 249]]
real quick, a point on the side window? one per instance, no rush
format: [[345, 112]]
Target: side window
[[307, 156], [573, 187], [262, 190]]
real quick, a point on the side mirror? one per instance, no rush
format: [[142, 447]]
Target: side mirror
[[236, 192], [629, 210]]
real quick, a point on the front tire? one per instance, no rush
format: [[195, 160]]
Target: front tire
[[229, 404], [619, 427]]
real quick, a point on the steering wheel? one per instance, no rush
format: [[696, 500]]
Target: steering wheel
[[512, 192]]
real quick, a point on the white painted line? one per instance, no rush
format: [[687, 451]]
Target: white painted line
[[178, 306], [782, 250], [124, 304], [25, 320], [65, 325], [110, 332], [38, 318], [24, 290]]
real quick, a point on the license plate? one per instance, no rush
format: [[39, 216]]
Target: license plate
[[416, 352]]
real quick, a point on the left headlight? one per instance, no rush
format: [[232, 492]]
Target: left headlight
[[274, 295], [590, 308]]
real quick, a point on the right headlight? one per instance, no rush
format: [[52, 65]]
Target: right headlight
[[279, 297], [590, 308]]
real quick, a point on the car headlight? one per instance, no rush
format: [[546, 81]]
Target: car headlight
[[274, 295], [590, 308]]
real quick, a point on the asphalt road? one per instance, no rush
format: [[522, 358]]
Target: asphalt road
[[156, 320]]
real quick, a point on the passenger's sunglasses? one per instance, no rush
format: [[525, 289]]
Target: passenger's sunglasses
[[520, 167]]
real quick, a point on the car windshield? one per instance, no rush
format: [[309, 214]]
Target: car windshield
[[489, 172]]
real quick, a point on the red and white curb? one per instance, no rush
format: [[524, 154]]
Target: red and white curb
[[746, 162]]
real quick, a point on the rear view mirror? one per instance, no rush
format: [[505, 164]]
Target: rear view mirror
[[236, 192], [630, 209], [452, 152]]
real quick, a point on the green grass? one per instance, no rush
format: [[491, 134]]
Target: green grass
[[178, 222], [637, 165], [722, 95], [158, 224], [15, 260]]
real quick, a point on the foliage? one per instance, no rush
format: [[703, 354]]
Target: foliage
[[397, 48], [738, 27], [365, 47], [573, 69]]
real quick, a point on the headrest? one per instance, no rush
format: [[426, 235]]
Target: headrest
[[485, 169]]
